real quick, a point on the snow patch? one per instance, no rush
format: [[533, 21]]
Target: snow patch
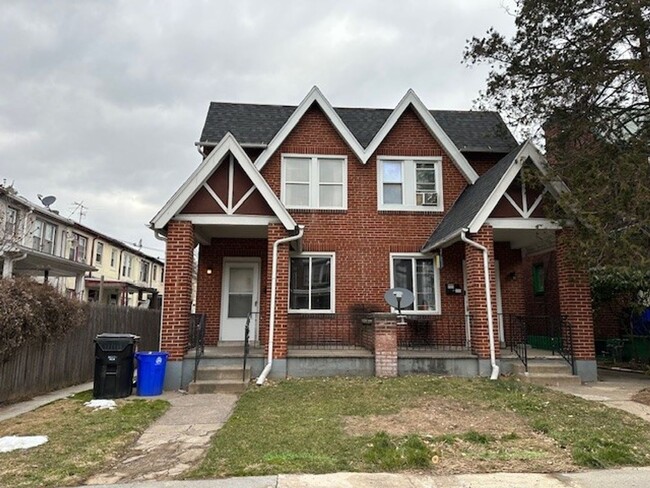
[[14, 442], [101, 404]]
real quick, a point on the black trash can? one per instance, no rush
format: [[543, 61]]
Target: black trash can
[[114, 365]]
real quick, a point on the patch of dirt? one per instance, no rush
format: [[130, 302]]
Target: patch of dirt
[[510, 444], [643, 396]]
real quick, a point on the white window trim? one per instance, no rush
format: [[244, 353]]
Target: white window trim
[[436, 271], [313, 181], [409, 184], [332, 257]]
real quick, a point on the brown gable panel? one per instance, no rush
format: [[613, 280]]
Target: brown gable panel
[[219, 181], [202, 203], [255, 205], [241, 183], [504, 210]]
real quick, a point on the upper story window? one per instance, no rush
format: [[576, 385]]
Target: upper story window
[[43, 236], [126, 265], [318, 182], [311, 285], [144, 270], [113, 257], [99, 252], [11, 222], [413, 184], [78, 248], [154, 272], [417, 273]]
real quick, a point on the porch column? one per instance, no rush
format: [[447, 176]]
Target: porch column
[[575, 306], [275, 232], [476, 298], [79, 286], [177, 299], [385, 344], [7, 267]]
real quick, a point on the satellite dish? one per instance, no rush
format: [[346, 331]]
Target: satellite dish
[[399, 298], [47, 201]]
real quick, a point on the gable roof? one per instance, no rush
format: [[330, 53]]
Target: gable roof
[[253, 124], [227, 145], [476, 203]]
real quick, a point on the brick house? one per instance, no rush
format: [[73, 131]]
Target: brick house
[[305, 216]]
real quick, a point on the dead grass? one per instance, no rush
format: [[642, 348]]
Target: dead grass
[[643, 396], [81, 441]]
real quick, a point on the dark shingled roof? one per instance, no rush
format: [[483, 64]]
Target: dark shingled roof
[[470, 131], [471, 201]]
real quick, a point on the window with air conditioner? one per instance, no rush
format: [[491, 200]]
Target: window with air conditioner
[[412, 184]]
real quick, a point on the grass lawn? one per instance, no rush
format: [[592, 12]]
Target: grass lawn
[[82, 441], [438, 424]]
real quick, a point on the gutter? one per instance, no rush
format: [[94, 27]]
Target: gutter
[[488, 301], [274, 272]]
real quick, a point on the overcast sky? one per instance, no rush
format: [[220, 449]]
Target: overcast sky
[[101, 101]]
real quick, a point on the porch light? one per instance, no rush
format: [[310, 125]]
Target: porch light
[[209, 271]]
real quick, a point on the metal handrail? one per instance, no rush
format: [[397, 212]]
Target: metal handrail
[[247, 332], [197, 339]]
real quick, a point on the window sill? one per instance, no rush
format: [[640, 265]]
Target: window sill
[[411, 210], [318, 210], [311, 312]]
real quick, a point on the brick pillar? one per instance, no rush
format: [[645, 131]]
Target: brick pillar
[[575, 306], [476, 293], [385, 344], [178, 289], [275, 232]]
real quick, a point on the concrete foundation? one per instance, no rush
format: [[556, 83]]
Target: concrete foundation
[[587, 370], [484, 367], [465, 367], [303, 367], [173, 375]]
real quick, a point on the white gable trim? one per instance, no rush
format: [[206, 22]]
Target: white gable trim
[[432, 126], [314, 95], [409, 99], [227, 145], [528, 152]]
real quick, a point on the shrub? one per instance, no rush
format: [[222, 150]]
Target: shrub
[[31, 311]]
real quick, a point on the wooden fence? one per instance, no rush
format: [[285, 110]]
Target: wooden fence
[[41, 367]]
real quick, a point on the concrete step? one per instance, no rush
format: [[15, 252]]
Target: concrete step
[[543, 367], [550, 379], [223, 373], [216, 386]]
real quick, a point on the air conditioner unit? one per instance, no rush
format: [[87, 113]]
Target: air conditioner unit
[[428, 198]]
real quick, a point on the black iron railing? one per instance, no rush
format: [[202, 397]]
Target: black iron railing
[[541, 332], [447, 332], [330, 331], [247, 333], [197, 338]]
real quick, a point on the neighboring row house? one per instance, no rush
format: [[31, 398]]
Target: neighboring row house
[[306, 215], [79, 261]]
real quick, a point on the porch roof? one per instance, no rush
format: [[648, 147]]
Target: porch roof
[[35, 263], [472, 209]]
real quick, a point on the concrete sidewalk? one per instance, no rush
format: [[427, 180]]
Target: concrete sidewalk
[[16, 409], [628, 477]]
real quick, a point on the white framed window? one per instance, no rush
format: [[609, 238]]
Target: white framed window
[[311, 283], [113, 257], [99, 252], [314, 182], [410, 183], [126, 265], [154, 273], [419, 274], [11, 223], [144, 270], [43, 236], [78, 248]]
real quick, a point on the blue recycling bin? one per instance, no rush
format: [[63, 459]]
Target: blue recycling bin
[[151, 372]]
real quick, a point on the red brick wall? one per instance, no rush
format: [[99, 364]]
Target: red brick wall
[[513, 291], [275, 232], [476, 291], [385, 345], [575, 298], [547, 303], [363, 237], [208, 299], [178, 288]]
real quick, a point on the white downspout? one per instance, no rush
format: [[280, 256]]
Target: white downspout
[[488, 300], [274, 272]]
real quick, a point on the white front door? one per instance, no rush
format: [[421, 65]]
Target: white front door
[[240, 295]]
